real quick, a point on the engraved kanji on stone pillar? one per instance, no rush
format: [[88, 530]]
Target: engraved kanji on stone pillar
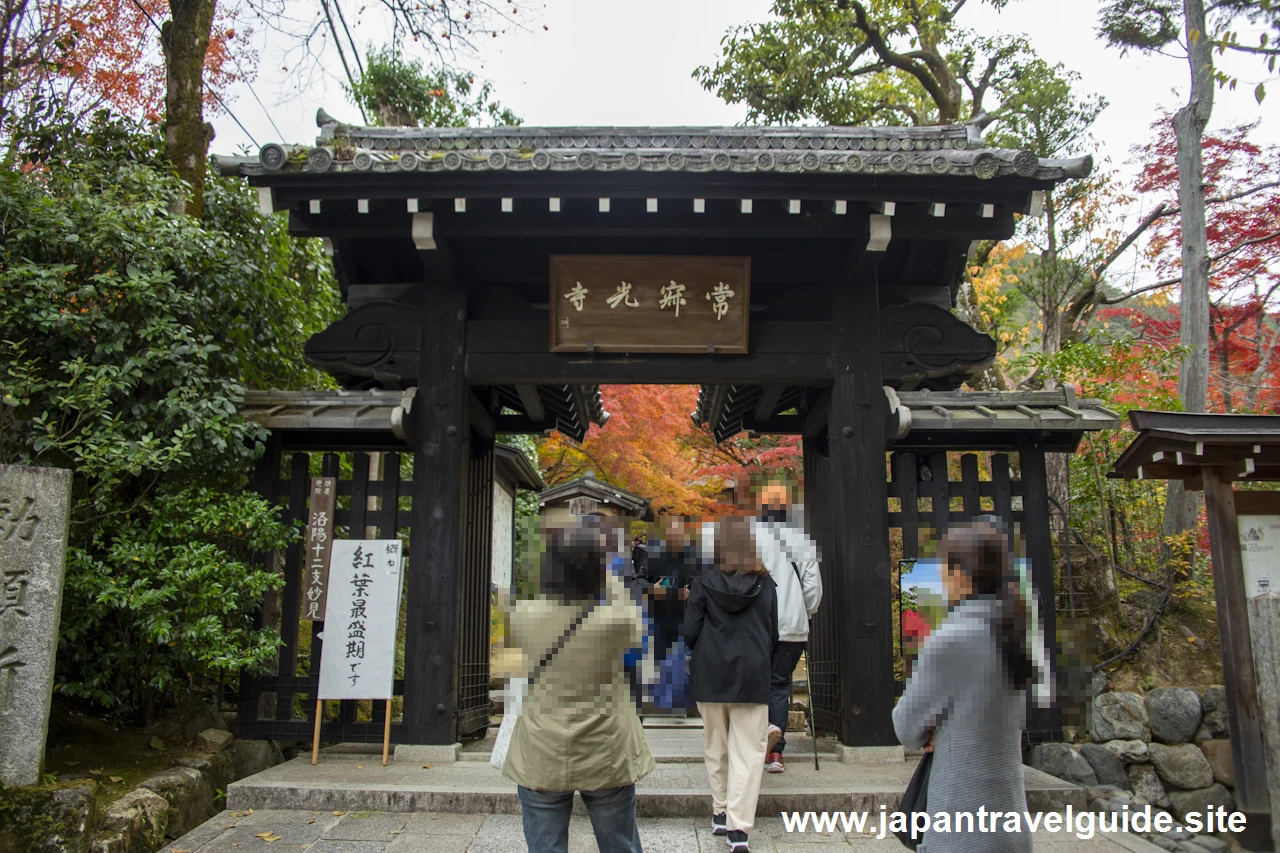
[[35, 506]]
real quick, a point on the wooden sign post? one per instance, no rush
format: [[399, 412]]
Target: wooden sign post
[[649, 303], [357, 660]]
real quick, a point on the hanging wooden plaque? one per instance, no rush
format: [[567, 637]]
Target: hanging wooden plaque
[[649, 303]]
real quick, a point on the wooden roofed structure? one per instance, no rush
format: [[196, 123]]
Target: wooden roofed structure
[[848, 245], [1209, 453]]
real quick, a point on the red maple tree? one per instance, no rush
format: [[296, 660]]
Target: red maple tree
[[112, 54], [1242, 187]]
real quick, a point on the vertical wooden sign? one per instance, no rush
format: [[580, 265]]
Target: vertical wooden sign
[[315, 561]]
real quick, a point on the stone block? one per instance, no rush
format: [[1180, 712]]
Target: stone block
[[135, 823], [1120, 716], [1062, 761], [1129, 751], [1182, 766], [1174, 713], [427, 753], [201, 717], [35, 507], [871, 754], [214, 740], [1146, 785], [1214, 705], [189, 797], [254, 756], [797, 721], [1106, 765], [1218, 754], [1183, 803]]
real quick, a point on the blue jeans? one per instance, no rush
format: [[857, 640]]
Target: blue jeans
[[785, 659], [613, 817]]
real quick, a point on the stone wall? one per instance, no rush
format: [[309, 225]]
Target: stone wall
[[76, 818], [1168, 749]]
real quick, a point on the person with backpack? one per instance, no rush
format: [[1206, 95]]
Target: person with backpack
[[578, 729], [792, 560], [731, 626]]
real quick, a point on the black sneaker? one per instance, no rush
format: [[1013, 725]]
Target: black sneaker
[[719, 826], [737, 841]]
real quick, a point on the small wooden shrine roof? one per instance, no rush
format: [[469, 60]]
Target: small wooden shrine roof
[[375, 419], [600, 491], [1178, 445], [516, 468], [924, 419]]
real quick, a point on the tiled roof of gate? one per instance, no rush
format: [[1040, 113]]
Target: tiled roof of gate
[[954, 150]]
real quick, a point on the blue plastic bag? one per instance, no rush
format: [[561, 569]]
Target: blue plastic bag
[[672, 690]]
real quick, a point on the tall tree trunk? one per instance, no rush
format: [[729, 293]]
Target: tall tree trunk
[[185, 40], [1181, 507]]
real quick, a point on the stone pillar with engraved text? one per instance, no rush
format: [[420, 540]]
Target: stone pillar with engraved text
[[35, 506]]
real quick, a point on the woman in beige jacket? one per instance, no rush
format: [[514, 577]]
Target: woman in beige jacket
[[578, 730]]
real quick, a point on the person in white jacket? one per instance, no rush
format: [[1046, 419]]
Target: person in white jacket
[[792, 559]]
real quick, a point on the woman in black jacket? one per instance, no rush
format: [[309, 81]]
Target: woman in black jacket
[[731, 625]]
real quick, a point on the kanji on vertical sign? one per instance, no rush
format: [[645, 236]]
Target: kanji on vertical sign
[[318, 547]]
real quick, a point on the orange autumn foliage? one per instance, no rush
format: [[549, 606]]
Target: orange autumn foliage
[[649, 447], [113, 54]]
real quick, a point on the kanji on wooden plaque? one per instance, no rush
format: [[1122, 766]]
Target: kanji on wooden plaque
[[649, 303]]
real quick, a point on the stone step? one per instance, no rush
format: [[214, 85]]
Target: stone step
[[360, 783]]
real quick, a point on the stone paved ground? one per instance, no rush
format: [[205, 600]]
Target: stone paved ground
[[383, 832]]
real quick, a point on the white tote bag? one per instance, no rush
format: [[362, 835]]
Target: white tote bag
[[512, 705]]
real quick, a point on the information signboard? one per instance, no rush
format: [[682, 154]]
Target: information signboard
[[358, 658]]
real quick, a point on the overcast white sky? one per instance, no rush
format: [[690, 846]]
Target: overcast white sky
[[604, 62]]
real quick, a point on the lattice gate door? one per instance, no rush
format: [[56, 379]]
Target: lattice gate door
[[278, 704], [822, 656], [474, 598]]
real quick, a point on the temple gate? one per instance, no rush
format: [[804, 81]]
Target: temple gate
[[841, 251]]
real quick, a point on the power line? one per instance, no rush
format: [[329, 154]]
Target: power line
[[236, 120], [252, 91]]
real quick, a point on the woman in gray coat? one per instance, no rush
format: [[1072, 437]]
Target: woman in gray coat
[[967, 696]]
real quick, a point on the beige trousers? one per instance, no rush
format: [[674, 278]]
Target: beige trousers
[[734, 740]]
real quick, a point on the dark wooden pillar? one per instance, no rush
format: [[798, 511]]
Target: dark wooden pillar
[[438, 424], [1042, 723], [1247, 753], [860, 515]]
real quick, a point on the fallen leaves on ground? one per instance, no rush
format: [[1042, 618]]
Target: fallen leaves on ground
[[268, 836]]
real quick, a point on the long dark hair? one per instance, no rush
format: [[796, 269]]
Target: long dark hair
[[981, 552], [574, 565]]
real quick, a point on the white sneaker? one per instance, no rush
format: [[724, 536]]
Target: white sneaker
[[775, 735]]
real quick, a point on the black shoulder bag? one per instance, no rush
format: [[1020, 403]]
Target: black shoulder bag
[[914, 800]]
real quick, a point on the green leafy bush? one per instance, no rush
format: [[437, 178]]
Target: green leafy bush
[[127, 337]]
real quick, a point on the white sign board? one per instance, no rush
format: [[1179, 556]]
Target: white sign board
[[358, 658], [1260, 553]]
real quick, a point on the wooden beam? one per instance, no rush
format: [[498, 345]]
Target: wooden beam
[[438, 438], [815, 420], [859, 504], [532, 402], [585, 369], [1039, 543], [481, 419], [768, 402], [1247, 754], [531, 336], [719, 396]]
